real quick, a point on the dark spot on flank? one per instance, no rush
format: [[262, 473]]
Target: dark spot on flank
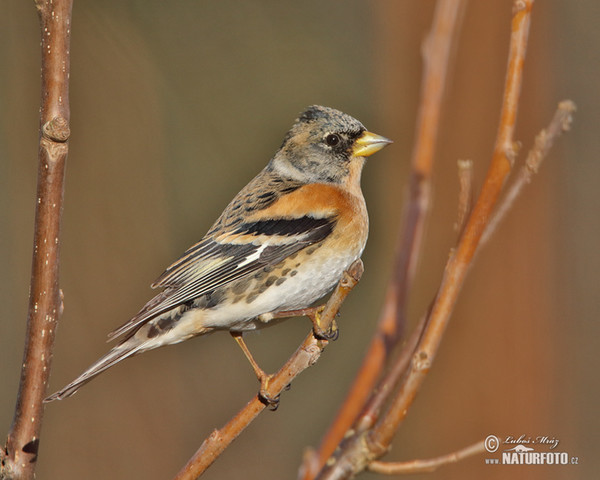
[[285, 272], [270, 281], [214, 298], [280, 281], [294, 272], [241, 286], [293, 255], [153, 331], [251, 297], [238, 298], [165, 323], [311, 250], [261, 275]]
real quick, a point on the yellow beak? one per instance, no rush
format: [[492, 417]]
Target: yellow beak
[[369, 143]]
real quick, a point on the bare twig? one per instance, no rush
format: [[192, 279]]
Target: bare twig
[[561, 122], [458, 264], [305, 356], [45, 303], [429, 465], [360, 449], [370, 413], [436, 55], [465, 192]]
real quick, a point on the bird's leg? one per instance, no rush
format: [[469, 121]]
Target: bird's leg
[[314, 313], [263, 378]]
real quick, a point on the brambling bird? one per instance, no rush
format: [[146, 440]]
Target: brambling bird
[[280, 245]]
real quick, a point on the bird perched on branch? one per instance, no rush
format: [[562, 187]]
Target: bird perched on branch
[[280, 245]]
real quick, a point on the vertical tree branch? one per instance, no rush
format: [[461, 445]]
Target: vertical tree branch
[[436, 57], [45, 303]]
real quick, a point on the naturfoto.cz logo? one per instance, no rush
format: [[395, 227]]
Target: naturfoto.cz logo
[[523, 454]]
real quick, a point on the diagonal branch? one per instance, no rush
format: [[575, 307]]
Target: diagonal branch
[[45, 304], [436, 57], [305, 356]]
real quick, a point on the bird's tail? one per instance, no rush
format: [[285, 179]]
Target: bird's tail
[[118, 353]]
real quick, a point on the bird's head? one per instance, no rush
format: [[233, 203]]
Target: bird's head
[[325, 145]]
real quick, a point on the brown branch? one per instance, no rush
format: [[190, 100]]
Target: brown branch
[[372, 410], [561, 122], [305, 356], [436, 55], [465, 192], [360, 449], [429, 465], [45, 305]]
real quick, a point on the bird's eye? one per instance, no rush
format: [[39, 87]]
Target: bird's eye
[[332, 139]]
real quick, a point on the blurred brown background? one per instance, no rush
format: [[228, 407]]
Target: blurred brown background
[[176, 105]]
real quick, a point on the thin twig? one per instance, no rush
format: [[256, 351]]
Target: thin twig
[[45, 304], [370, 413], [391, 325], [358, 451], [429, 465], [465, 192], [305, 356], [561, 122]]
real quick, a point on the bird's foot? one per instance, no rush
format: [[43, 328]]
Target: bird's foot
[[272, 402], [330, 334]]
